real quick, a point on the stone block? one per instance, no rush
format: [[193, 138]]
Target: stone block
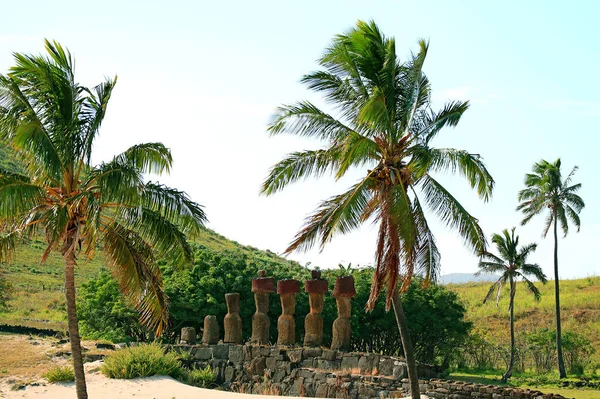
[[399, 372], [271, 363], [386, 366], [325, 365], [257, 366], [283, 365], [311, 352], [220, 351], [328, 354], [229, 374], [236, 354], [310, 363], [202, 353], [349, 362], [295, 355], [322, 390]]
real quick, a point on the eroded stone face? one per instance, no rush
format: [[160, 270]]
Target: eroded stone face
[[343, 293], [286, 324], [261, 287], [210, 335], [233, 322], [260, 319], [188, 335], [313, 323]]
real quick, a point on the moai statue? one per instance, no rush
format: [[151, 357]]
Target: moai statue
[[210, 336], [343, 292], [313, 324], [233, 322], [188, 335], [286, 325], [261, 287]]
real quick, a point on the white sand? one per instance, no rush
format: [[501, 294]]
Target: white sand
[[100, 387]]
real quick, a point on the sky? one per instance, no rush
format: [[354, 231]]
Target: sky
[[205, 78]]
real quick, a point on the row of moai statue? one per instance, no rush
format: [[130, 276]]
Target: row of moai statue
[[262, 286]]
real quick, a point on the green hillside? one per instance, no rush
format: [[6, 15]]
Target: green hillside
[[37, 299], [580, 311]]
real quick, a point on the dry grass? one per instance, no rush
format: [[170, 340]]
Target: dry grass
[[26, 357]]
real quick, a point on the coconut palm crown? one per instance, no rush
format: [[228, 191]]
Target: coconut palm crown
[[546, 191], [384, 125], [52, 123], [511, 264]]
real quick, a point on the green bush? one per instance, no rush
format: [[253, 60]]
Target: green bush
[[141, 361], [203, 378], [104, 314], [59, 374]]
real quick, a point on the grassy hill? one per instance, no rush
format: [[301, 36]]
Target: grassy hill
[[37, 296], [580, 310]]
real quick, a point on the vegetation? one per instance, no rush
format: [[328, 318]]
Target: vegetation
[[104, 314], [52, 122], [545, 189], [385, 126], [512, 264], [487, 347], [144, 360], [60, 374], [216, 273], [202, 378]]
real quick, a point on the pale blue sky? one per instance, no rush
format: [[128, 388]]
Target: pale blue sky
[[204, 78]]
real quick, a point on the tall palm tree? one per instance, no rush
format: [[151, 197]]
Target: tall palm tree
[[546, 190], [512, 266], [52, 122], [384, 126]]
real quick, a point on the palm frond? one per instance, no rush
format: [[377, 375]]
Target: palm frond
[[306, 120], [8, 245], [433, 122], [339, 214], [299, 165], [147, 158], [175, 206], [133, 265], [529, 269], [18, 196], [453, 214]]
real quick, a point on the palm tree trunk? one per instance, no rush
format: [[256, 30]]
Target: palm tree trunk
[[411, 363], [509, 371], [70, 263], [561, 362]]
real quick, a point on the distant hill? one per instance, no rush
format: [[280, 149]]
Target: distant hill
[[461, 278]]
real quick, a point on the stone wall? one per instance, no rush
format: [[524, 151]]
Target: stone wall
[[324, 373]]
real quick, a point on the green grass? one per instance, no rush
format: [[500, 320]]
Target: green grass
[[37, 297], [524, 383], [59, 374], [202, 378], [580, 310], [141, 361]]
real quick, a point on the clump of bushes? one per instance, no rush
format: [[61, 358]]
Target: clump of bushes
[[203, 378], [60, 374], [141, 361]]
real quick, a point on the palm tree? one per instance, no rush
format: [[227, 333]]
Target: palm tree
[[52, 122], [512, 264], [546, 190], [385, 126]]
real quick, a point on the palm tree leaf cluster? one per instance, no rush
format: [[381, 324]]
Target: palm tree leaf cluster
[[382, 122], [51, 121]]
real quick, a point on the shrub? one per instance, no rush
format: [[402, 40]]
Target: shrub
[[104, 314], [59, 374], [141, 361], [199, 377]]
